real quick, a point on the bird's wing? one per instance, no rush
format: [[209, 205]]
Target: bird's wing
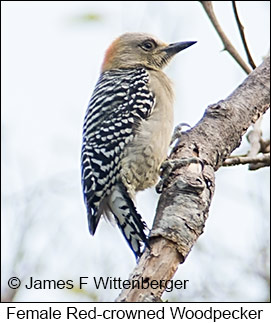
[[120, 101]]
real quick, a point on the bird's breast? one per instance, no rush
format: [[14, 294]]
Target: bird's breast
[[144, 155]]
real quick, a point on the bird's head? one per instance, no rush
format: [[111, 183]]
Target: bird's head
[[132, 50]]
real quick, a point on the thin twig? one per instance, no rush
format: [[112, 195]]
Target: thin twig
[[208, 7], [242, 34], [263, 160]]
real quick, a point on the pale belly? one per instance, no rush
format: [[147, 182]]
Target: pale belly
[[140, 167]]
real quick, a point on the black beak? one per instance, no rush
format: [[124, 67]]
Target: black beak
[[175, 48]]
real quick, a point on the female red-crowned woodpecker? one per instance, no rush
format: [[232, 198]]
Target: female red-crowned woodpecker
[[127, 131]]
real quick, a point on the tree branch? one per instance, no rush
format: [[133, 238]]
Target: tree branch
[[259, 161], [208, 7], [184, 204], [242, 34], [254, 136]]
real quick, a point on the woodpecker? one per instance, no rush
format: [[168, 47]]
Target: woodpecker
[[127, 131]]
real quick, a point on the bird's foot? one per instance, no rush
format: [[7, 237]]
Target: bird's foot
[[168, 166], [177, 133]]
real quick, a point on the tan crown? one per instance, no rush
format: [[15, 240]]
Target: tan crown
[[132, 50]]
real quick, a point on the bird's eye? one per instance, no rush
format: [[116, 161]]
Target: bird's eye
[[148, 45]]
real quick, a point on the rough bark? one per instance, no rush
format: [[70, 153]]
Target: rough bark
[[184, 204]]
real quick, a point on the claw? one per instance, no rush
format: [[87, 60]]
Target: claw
[[159, 187], [178, 131], [168, 166]]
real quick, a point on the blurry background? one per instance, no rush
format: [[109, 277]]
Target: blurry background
[[51, 57]]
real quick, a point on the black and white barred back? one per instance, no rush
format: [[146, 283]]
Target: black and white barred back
[[120, 101]]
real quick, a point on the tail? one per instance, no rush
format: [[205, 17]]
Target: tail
[[129, 221]]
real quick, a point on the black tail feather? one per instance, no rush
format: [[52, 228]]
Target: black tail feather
[[129, 220]]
